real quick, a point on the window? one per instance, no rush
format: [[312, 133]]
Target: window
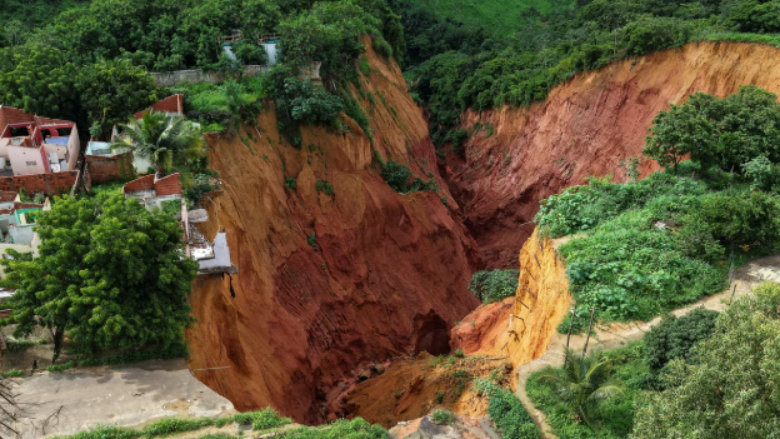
[[33, 163], [19, 132]]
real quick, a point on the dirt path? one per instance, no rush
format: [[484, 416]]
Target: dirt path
[[617, 335]]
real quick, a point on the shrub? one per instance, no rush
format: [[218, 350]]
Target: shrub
[[459, 353], [494, 285], [510, 417], [675, 337], [291, 183], [399, 177], [14, 346], [13, 373], [442, 417], [324, 187]]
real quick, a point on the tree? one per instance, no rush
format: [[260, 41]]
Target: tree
[[731, 390], [111, 91], [42, 82], [677, 133], [584, 382], [166, 139], [109, 273], [718, 133]]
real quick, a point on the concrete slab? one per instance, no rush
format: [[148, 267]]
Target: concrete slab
[[131, 395]]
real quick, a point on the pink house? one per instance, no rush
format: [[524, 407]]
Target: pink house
[[31, 144]]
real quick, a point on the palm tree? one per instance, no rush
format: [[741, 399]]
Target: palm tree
[[584, 382], [166, 139]]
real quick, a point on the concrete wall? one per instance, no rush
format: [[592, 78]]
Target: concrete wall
[[22, 235], [26, 161], [171, 79]]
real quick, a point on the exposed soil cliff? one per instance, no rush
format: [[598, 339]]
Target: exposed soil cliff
[[327, 283], [520, 329], [585, 127], [541, 302]]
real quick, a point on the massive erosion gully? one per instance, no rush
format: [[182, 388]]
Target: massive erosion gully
[[330, 284]]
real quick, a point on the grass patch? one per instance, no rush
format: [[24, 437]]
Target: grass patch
[[13, 373], [61, 367]]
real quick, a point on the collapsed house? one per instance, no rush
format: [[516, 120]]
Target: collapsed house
[[155, 192], [31, 144]]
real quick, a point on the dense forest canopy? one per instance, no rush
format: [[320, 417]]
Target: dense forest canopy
[[457, 55]]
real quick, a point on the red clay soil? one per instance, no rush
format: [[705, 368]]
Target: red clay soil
[[327, 284], [585, 127]]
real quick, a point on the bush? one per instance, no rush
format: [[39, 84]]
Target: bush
[[494, 285], [442, 417], [399, 177], [324, 187], [675, 337]]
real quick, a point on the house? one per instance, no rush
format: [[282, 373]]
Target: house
[[31, 144], [106, 164], [17, 226], [153, 191]]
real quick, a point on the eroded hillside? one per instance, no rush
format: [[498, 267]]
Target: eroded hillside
[[585, 127], [332, 277]]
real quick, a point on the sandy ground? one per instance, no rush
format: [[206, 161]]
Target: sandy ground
[[131, 395], [615, 336]]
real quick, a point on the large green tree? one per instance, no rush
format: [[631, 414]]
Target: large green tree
[[732, 389], [109, 274], [166, 139], [110, 91], [724, 133]]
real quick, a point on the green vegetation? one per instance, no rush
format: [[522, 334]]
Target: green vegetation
[[650, 246], [494, 285], [728, 388], [13, 373], [341, 429], [502, 18], [742, 125], [443, 417], [507, 412], [14, 346], [166, 139], [675, 338], [60, 367], [615, 415], [583, 384], [324, 187], [88, 283], [513, 53], [399, 177], [264, 419]]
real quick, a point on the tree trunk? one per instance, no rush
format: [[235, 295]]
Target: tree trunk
[[59, 335], [590, 328]]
